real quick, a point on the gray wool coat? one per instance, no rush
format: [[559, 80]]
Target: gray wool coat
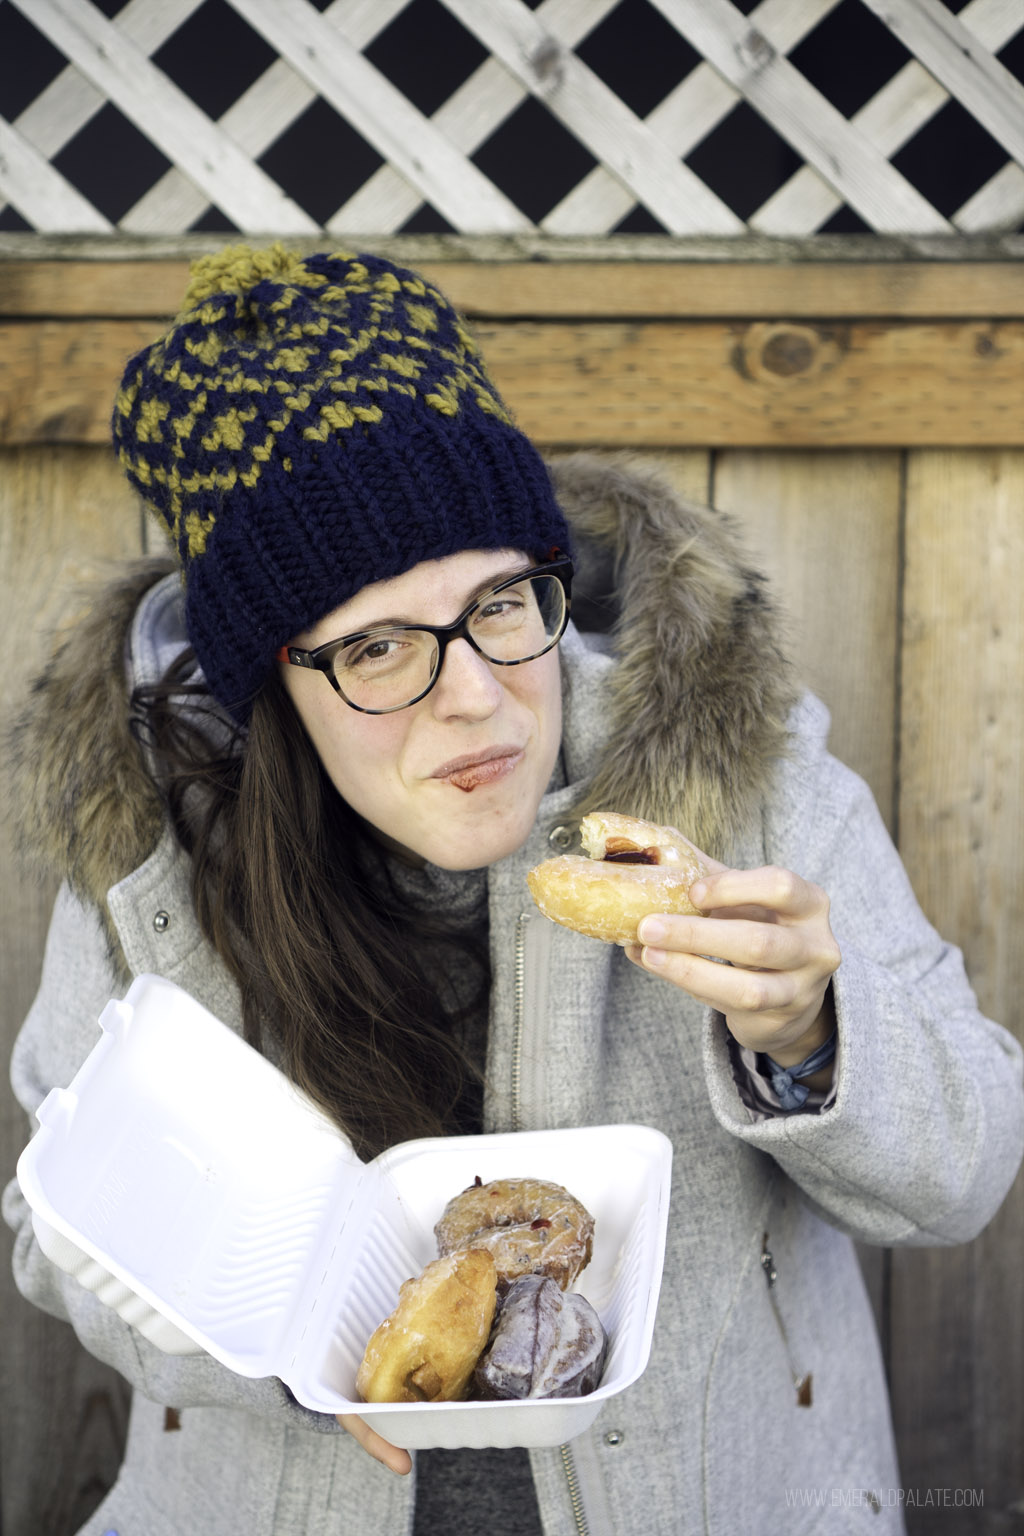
[[689, 717]]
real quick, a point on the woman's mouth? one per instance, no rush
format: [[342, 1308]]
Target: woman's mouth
[[468, 773]]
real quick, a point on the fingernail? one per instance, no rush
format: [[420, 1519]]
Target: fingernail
[[698, 892], [652, 930], [654, 957]]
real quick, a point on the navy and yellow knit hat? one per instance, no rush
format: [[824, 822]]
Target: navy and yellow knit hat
[[309, 425]]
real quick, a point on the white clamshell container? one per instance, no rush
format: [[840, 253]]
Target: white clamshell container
[[200, 1182]]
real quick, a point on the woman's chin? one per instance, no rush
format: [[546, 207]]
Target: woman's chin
[[476, 847]]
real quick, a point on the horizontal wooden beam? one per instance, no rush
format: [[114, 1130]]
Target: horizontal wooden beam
[[653, 384], [579, 289]]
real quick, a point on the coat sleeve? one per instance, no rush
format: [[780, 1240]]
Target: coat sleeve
[[77, 981], [926, 1131]]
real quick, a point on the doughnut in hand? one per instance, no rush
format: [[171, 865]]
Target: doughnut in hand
[[529, 1226], [426, 1351], [632, 868]]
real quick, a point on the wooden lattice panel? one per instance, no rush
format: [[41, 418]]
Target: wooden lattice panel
[[347, 117]]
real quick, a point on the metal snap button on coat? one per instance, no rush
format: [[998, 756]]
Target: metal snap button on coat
[[162, 921], [561, 837], [614, 1437]]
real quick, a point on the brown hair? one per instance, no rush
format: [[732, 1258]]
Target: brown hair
[[333, 964]]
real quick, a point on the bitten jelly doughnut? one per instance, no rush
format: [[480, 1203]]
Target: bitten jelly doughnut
[[426, 1351], [529, 1226], [632, 868]]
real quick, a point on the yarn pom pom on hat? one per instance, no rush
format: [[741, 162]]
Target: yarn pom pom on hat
[[311, 424]]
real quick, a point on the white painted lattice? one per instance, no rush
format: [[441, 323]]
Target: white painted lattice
[[233, 164]]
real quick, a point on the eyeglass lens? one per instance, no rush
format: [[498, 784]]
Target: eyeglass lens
[[392, 667]]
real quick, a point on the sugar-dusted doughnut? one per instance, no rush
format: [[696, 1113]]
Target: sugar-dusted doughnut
[[425, 1352], [631, 868], [529, 1226], [545, 1344]]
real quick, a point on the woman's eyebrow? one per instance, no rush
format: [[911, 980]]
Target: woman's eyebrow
[[474, 594]]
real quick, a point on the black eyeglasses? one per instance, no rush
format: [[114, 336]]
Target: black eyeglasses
[[392, 666]]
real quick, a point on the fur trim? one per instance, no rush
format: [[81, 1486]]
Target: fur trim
[[698, 703], [702, 693], [86, 807]]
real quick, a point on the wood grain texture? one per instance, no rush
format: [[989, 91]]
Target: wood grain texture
[[63, 1414], [728, 287], [958, 1318], [765, 384], [826, 528], [653, 384]]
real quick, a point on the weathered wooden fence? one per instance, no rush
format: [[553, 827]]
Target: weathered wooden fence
[[857, 399]]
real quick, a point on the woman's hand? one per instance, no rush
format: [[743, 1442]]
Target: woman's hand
[[772, 928], [380, 1449]]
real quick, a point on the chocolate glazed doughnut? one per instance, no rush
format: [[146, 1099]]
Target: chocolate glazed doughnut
[[632, 868]]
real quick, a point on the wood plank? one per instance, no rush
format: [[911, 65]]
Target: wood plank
[[960, 1407], [806, 512], [64, 1414], [124, 73], [593, 289], [387, 119], [649, 384], [805, 118], [589, 109], [659, 384]]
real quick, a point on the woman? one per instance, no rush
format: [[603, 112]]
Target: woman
[[335, 864]]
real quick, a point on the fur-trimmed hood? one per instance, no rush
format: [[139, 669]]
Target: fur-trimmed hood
[[697, 707]]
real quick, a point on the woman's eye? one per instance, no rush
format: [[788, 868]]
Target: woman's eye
[[378, 651], [506, 606]]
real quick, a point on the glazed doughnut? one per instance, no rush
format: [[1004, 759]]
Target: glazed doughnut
[[528, 1225], [632, 868], [544, 1344], [425, 1352]]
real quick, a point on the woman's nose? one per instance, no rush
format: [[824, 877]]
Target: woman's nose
[[466, 685]]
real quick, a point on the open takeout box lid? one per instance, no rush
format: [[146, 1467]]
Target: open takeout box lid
[[189, 1168]]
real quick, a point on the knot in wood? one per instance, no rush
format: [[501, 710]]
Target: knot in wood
[[788, 352], [546, 63], [755, 52], [775, 353]]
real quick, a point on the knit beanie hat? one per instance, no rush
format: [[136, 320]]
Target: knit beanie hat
[[309, 425]]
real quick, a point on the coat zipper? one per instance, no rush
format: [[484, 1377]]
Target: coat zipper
[[518, 1020], [575, 1497], [518, 1031]]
